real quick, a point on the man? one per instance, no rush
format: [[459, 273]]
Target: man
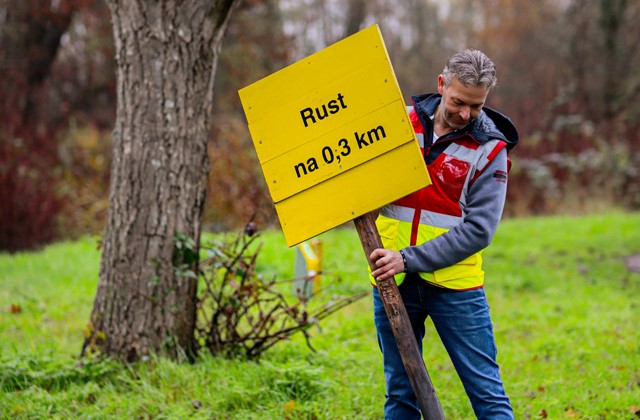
[[433, 238]]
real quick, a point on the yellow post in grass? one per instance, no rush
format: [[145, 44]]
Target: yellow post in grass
[[308, 268]]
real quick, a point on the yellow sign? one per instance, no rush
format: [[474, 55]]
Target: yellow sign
[[333, 136]]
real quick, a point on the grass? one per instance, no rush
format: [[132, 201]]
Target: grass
[[564, 307]]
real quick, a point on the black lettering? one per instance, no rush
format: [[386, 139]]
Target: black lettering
[[333, 106], [312, 164], [322, 112], [340, 98], [300, 166], [320, 116], [305, 117], [327, 154], [360, 140], [345, 147], [375, 132]]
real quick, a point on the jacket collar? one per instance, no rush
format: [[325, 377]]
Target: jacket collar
[[489, 125]]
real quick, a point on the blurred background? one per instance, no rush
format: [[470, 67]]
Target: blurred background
[[568, 76]]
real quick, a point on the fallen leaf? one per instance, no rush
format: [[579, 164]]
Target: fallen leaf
[[289, 406], [635, 409], [570, 413]]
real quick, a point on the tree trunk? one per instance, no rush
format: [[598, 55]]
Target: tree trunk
[[356, 13], [30, 35], [166, 54]]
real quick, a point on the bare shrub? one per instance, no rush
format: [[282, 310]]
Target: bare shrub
[[240, 313]]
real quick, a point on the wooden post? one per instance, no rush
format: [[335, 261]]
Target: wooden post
[[399, 319]]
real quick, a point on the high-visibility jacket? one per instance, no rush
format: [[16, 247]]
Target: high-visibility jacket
[[437, 208]]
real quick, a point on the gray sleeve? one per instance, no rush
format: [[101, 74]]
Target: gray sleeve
[[485, 202]]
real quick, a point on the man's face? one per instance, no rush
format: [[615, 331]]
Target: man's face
[[461, 104]]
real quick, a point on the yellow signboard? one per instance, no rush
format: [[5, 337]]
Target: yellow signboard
[[333, 136]]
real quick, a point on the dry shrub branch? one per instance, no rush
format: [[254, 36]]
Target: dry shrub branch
[[240, 313]]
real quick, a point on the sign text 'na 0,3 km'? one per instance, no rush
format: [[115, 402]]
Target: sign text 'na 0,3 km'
[[329, 154]]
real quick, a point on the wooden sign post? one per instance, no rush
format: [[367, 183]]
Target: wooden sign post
[[334, 141], [400, 324]]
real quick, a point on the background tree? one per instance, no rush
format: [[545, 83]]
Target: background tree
[[255, 46], [166, 55], [30, 35], [604, 57], [356, 13]]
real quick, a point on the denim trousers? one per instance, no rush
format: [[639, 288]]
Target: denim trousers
[[463, 323]]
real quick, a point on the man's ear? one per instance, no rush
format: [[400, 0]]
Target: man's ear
[[441, 84]]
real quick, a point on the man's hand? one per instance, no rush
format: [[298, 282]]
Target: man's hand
[[389, 263]]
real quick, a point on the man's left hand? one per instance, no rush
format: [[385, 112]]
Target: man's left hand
[[389, 263]]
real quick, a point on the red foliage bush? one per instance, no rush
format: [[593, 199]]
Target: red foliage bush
[[28, 203]]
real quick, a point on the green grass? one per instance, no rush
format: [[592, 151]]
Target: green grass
[[565, 311]]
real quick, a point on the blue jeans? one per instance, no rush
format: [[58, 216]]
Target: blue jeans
[[463, 323]]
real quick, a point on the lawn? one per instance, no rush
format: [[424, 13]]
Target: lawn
[[564, 305]]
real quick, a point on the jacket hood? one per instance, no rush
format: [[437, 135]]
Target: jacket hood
[[489, 125]]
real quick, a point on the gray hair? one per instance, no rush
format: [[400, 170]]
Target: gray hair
[[471, 68]]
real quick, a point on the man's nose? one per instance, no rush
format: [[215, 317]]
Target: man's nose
[[465, 112]]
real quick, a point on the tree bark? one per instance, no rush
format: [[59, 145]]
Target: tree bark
[[166, 54]]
